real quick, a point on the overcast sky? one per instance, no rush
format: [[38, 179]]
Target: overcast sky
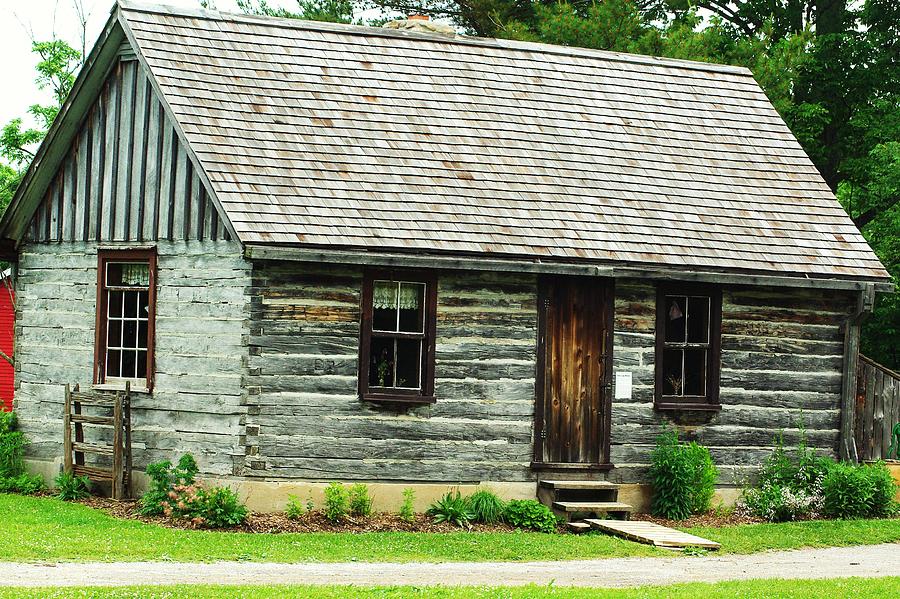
[[21, 19]]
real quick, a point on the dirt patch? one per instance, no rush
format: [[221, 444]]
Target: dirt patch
[[314, 521]]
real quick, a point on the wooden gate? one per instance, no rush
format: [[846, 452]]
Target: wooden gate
[[877, 408], [573, 377]]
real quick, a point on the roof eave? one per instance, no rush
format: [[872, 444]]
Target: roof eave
[[554, 266], [65, 127]]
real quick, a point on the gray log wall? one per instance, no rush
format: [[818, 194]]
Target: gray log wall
[[201, 335], [305, 420], [782, 354]]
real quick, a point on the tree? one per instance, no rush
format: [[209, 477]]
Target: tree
[[332, 11], [56, 68]]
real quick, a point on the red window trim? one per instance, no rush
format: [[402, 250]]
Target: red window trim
[[104, 257], [425, 394]]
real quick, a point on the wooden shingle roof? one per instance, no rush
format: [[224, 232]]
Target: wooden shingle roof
[[349, 137]]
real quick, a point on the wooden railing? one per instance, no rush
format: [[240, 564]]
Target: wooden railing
[[877, 409], [114, 413]]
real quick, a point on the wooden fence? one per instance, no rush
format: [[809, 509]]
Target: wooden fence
[[877, 408]]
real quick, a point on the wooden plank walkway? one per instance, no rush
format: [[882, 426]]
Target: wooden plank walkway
[[651, 534]]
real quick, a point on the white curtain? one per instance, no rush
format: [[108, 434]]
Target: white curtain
[[386, 294]]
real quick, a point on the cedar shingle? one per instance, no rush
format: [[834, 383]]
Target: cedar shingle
[[325, 134]]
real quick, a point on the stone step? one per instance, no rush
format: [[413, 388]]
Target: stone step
[[592, 507], [579, 485]]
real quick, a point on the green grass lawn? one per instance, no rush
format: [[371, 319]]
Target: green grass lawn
[[49, 529], [795, 589]]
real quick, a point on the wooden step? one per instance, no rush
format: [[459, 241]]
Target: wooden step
[[85, 419], [651, 534], [579, 485], [94, 473], [578, 526], [595, 507], [96, 449]]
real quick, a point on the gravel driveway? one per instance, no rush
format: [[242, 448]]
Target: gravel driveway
[[865, 561]]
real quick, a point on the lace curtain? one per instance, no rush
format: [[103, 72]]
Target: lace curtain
[[136, 275], [384, 295]]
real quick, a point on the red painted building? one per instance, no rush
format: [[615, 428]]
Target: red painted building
[[7, 320]]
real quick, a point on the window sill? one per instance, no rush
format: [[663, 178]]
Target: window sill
[[120, 386], [404, 399], [571, 466], [692, 407]]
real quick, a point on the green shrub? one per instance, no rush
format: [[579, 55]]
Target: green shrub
[[683, 478], [360, 501], [294, 509], [163, 477], [530, 515], [407, 511], [486, 507], [70, 488], [12, 446], [215, 507], [337, 502], [452, 508], [25, 484], [858, 491]]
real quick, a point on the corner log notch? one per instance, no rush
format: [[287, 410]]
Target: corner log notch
[[865, 303]]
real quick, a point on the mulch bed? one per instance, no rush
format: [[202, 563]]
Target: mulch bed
[[711, 519], [279, 523]]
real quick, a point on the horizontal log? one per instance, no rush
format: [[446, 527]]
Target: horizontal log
[[397, 470], [393, 427], [781, 345], [770, 361], [358, 448], [765, 380]]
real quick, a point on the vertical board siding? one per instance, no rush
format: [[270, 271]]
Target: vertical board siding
[[197, 404], [124, 164], [782, 357], [877, 409], [306, 421]]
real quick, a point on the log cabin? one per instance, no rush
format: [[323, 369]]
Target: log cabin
[[402, 256]]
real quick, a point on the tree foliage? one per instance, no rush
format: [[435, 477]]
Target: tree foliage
[[58, 63]]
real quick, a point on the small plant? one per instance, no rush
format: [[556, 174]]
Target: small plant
[[894, 449], [683, 476], [407, 511], [486, 506], [163, 477], [70, 487], [25, 484], [310, 504], [360, 501], [294, 509], [337, 502], [530, 515], [452, 508], [859, 491], [12, 446], [216, 507]]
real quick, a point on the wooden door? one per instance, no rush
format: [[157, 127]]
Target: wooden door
[[574, 357]]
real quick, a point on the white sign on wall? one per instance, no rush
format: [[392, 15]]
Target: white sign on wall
[[623, 385]]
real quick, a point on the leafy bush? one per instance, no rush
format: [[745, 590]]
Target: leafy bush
[[360, 501], [407, 511], [12, 447], [452, 508], [486, 507], [26, 484], [71, 487], [163, 477], [789, 486], [173, 493], [337, 502], [530, 515], [294, 509], [216, 507], [858, 491], [683, 477]]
